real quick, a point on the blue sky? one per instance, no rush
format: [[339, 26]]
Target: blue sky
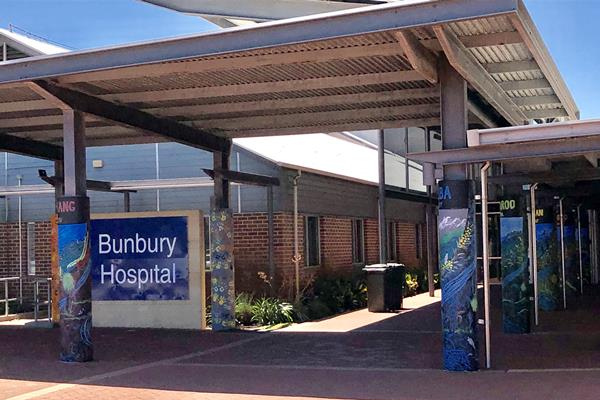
[[569, 28]]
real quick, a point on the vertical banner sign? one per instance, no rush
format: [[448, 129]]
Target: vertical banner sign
[[548, 259], [75, 299], [222, 273], [141, 259], [458, 270], [515, 267], [571, 253]]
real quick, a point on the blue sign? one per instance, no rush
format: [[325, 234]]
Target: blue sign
[[140, 259]]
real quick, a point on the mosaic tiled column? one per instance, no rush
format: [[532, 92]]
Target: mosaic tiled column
[[458, 255], [75, 296], [571, 253], [548, 259], [515, 267], [222, 272]]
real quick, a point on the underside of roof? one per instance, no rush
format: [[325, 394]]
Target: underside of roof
[[370, 68]]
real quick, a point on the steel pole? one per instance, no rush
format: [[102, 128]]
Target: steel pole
[[486, 262], [381, 203], [536, 305]]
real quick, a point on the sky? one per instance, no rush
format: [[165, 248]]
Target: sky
[[568, 27]]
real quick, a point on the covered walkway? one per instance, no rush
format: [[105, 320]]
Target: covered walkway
[[454, 64], [396, 358]]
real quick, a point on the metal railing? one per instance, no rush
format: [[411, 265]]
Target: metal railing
[[7, 300], [36, 298]]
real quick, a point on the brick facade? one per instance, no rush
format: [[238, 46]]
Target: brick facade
[[9, 257], [250, 251]]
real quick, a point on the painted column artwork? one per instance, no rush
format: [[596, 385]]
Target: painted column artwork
[[458, 269], [222, 272], [585, 246], [75, 298], [571, 254], [548, 254], [515, 268]]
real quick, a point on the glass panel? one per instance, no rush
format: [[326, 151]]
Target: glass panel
[[391, 241], [312, 241], [31, 248], [436, 140], [395, 170], [416, 140], [357, 241], [415, 177]]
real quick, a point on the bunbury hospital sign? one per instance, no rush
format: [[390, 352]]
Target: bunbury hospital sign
[[140, 258]]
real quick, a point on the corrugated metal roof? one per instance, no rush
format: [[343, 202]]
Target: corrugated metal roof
[[327, 73]]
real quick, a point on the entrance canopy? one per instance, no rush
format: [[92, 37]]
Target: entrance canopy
[[369, 68]]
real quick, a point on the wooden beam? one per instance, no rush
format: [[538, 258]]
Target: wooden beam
[[239, 61], [265, 87], [592, 158], [536, 100], [56, 102], [243, 177], [421, 59], [468, 66], [547, 113], [481, 115], [28, 147], [511, 66], [27, 105], [335, 127], [296, 102], [134, 118], [325, 117], [483, 40], [528, 84]]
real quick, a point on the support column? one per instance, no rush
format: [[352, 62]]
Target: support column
[[584, 248], [73, 210], [571, 252], [383, 256], [456, 233], [548, 259], [516, 304], [271, 238], [221, 249]]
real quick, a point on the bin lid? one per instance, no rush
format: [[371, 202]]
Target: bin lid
[[375, 268], [396, 265]]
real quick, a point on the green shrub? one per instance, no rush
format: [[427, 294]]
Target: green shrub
[[411, 284], [340, 294], [317, 309], [244, 308], [271, 311]]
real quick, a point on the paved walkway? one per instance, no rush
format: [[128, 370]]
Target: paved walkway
[[354, 356]]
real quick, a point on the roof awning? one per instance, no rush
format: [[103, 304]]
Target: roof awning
[[565, 139], [369, 68]]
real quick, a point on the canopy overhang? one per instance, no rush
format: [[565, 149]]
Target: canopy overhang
[[368, 68], [567, 139]]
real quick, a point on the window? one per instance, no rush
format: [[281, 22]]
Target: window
[[31, 248], [391, 241], [312, 251], [419, 240], [207, 242], [358, 241]]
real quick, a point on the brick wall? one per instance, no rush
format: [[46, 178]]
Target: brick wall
[[9, 256], [336, 244], [250, 250]]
